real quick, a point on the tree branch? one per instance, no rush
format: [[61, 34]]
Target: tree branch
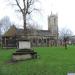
[[24, 6], [19, 6]]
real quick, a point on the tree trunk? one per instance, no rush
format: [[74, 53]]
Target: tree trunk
[[24, 24], [65, 45]]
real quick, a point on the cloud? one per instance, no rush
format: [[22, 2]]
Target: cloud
[[64, 9]]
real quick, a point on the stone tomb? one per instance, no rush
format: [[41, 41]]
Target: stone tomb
[[24, 51]]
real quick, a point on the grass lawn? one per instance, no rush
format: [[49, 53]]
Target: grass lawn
[[51, 61]]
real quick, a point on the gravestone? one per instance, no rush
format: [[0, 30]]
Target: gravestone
[[24, 44], [24, 51]]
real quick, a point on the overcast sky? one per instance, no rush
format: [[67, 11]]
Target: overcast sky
[[64, 8]]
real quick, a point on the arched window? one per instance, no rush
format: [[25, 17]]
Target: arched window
[[39, 40], [44, 40]]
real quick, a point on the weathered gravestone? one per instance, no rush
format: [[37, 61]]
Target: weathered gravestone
[[24, 51]]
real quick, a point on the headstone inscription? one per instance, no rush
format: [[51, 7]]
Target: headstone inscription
[[24, 45]]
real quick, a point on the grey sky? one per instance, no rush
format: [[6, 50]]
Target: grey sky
[[64, 9]]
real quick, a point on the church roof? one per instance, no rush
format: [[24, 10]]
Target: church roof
[[13, 31]]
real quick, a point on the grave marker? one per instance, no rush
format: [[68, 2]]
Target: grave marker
[[24, 51]]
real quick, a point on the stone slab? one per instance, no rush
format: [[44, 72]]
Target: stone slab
[[21, 57], [24, 45]]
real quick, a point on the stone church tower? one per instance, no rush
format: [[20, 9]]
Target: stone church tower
[[53, 28], [53, 24]]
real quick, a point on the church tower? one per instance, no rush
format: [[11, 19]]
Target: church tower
[[53, 24]]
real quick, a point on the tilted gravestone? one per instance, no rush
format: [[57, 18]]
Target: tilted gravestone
[[24, 51]]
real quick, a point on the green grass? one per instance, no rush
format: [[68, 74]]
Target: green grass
[[51, 61]]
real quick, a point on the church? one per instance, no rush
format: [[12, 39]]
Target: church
[[37, 37]]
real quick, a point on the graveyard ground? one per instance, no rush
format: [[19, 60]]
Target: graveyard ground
[[51, 61]]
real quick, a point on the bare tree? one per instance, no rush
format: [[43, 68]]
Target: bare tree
[[34, 26], [26, 8], [5, 24], [65, 35]]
